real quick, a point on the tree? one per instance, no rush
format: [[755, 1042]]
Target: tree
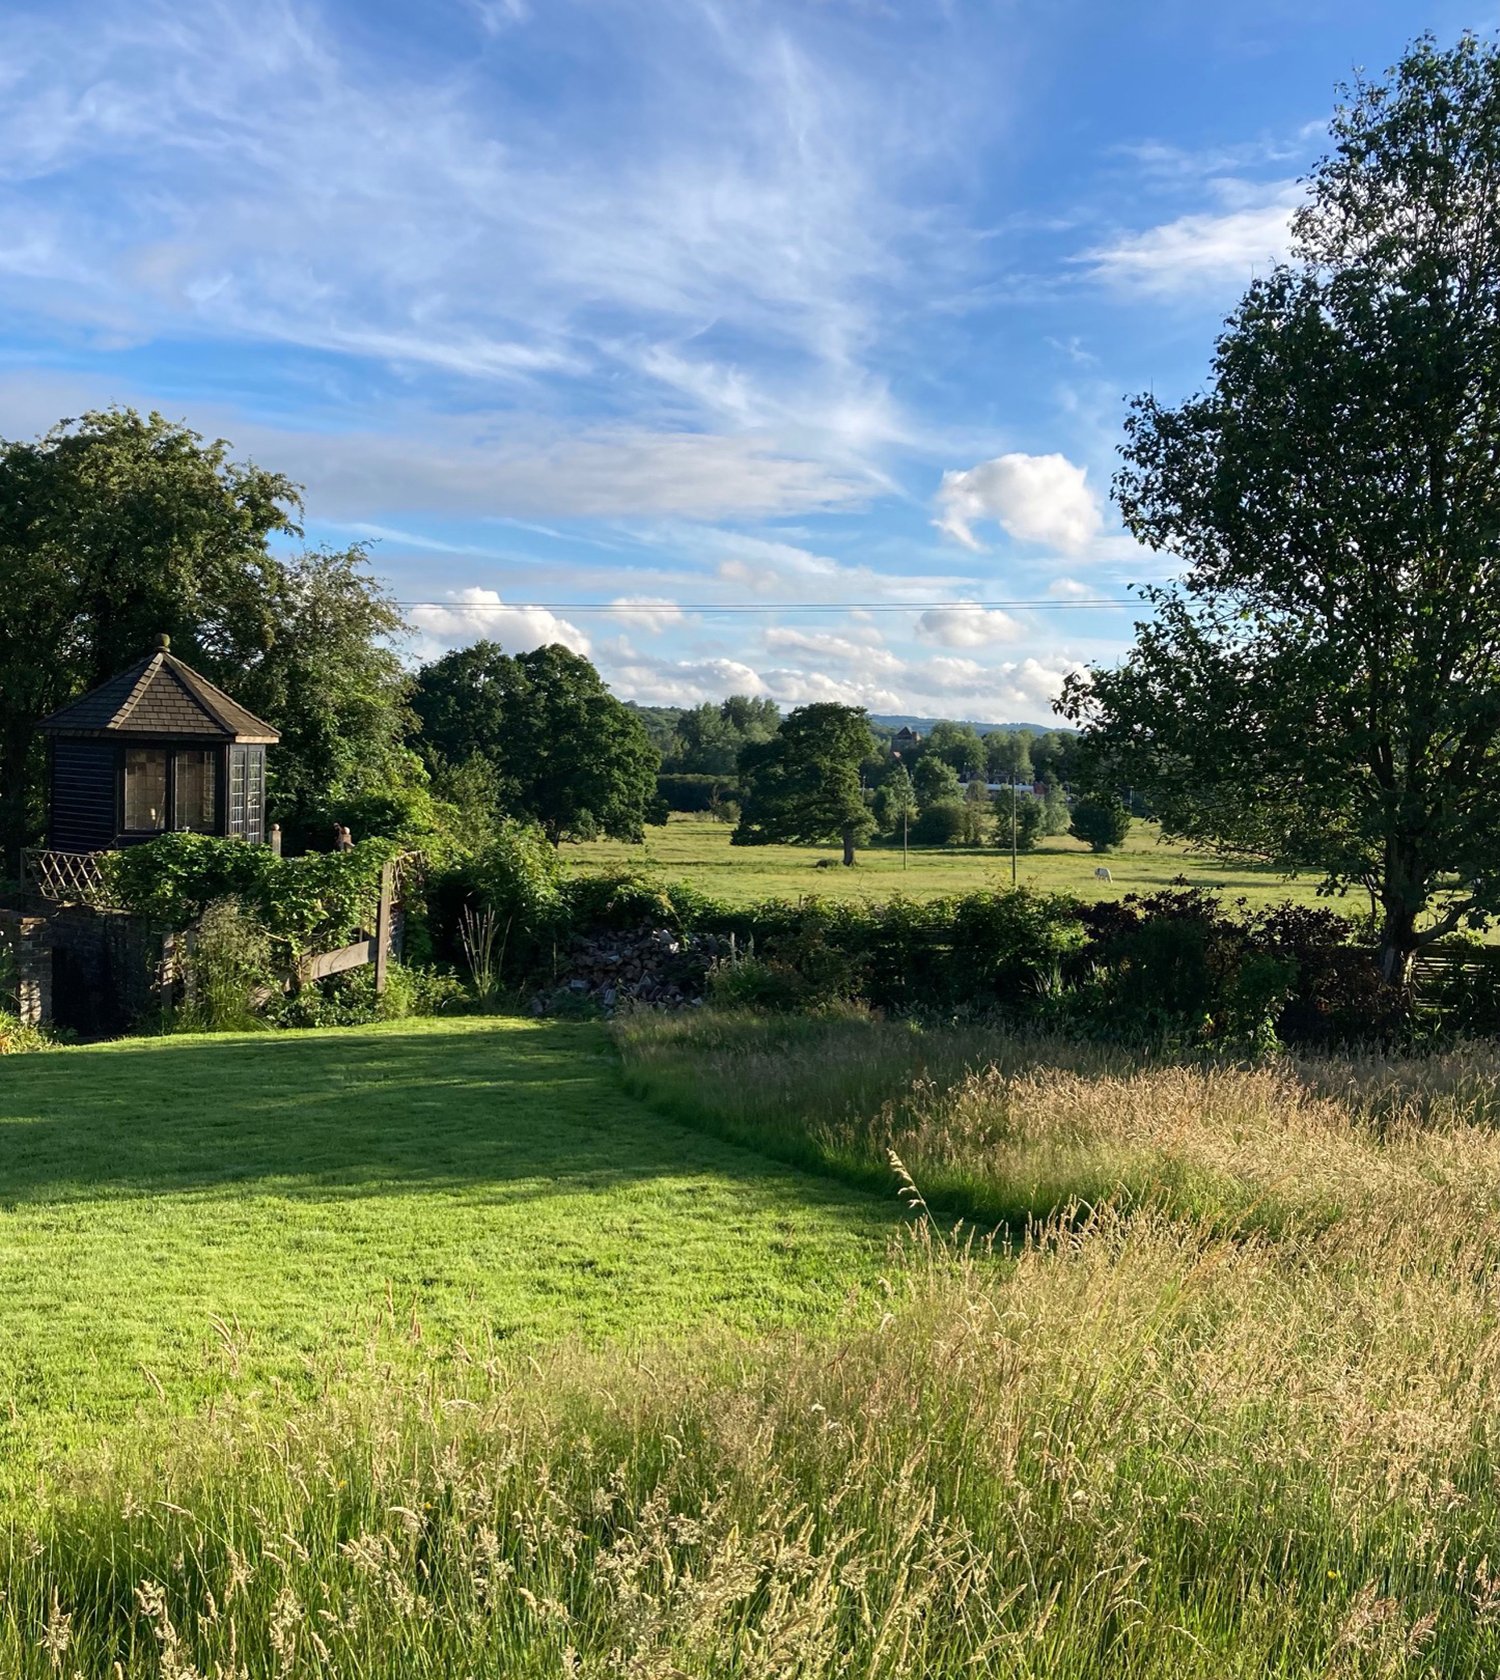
[[115, 527], [1323, 687], [802, 786], [936, 782], [1054, 756], [466, 704], [1055, 813], [895, 802], [1102, 823], [957, 744], [941, 824], [564, 752], [707, 739], [332, 682], [1008, 756], [1030, 820], [976, 813]]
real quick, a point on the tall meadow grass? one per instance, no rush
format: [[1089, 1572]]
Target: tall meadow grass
[[1158, 1433]]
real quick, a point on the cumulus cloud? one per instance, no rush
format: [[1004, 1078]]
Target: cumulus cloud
[[1070, 589], [967, 626], [680, 682], [477, 613], [1042, 499]]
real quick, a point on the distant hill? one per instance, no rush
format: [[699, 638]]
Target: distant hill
[[923, 725]]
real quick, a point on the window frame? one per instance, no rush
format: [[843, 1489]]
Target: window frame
[[171, 748]]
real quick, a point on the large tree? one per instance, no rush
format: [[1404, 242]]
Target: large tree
[[802, 786], [564, 752], [114, 527], [1323, 685]]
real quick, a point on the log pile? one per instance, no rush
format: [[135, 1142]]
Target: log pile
[[646, 966]]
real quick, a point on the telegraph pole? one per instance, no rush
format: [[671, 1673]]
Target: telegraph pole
[[1012, 828]]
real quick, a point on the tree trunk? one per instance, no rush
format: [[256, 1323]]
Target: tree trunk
[[848, 848], [1398, 945]]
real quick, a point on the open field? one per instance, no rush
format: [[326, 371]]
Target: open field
[[199, 1217], [697, 850]]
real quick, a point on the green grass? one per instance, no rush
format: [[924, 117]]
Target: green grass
[[519, 1378], [192, 1218], [697, 851]]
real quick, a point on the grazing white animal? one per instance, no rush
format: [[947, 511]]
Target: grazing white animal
[[1102, 874]]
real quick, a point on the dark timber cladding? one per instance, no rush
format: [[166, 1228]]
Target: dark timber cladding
[[156, 748]]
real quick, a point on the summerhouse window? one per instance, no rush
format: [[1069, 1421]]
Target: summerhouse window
[[195, 790], [145, 789], [247, 793]]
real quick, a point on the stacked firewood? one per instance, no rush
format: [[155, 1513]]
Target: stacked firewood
[[647, 965]]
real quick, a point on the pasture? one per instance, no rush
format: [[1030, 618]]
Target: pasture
[[697, 850]]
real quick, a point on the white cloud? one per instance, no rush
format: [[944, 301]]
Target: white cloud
[[861, 649], [1070, 589], [479, 463], [1042, 499], [967, 626], [477, 613], [1206, 252], [647, 612], [746, 184], [680, 682]]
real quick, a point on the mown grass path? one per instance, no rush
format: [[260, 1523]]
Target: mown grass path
[[187, 1217]]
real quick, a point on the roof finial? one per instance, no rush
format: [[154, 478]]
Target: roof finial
[[163, 641]]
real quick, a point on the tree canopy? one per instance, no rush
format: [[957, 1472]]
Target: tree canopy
[[1323, 685], [562, 750], [708, 739], [803, 786], [114, 527]]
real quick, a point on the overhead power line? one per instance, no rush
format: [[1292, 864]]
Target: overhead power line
[[761, 606]]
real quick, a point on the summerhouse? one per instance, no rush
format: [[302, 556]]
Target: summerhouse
[[156, 748]]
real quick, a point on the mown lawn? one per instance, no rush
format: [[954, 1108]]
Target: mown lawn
[[191, 1217], [698, 851]]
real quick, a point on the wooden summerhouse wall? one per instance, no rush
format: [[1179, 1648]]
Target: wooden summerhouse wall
[[84, 776]]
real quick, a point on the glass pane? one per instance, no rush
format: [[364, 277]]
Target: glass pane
[[237, 791], [195, 788], [145, 789], [255, 794]]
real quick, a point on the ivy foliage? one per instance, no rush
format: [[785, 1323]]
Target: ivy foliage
[[322, 898]]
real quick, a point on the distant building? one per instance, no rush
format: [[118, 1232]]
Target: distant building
[[904, 738]]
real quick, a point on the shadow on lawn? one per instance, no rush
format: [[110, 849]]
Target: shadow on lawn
[[508, 1114]]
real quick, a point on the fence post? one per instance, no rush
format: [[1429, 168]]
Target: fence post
[[383, 924]]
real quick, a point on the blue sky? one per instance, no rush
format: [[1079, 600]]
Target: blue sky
[[827, 308]]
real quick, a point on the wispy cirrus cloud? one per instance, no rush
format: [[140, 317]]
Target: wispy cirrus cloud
[[1204, 251], [275, 185]]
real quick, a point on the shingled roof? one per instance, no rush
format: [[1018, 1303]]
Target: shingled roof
[[164, 698]]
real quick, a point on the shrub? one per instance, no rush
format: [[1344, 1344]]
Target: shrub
[[18, 1037], [323, 897], [683, 791]]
